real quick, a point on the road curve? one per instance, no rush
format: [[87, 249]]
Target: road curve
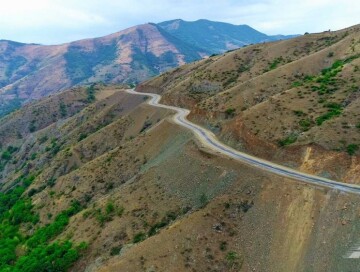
[[209, 140]]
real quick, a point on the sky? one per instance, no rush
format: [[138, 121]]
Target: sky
[[60, 21]]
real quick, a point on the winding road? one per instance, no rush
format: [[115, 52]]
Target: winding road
[[209, 140]]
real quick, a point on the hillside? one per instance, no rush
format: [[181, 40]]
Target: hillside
[[217, 37], [32, 71], [294, 101], [102, 181]]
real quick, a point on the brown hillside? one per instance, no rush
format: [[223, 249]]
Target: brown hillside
[[29, 71], [293, 101], [153, 200]]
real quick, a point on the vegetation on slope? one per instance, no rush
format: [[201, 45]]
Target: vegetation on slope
[[26, 246], [81, 64], [34, 163]]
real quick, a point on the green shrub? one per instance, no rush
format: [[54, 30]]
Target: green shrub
[[90, 93], [230, 112], [146, 125], [288, 140], [298, 112], [223, 246], [51, 182], [109, 208], [231, 256], [352, 148], [305, 124], [53, 257], [170, 216], [6, 155], [274, 64], [63, 110], [139, 237], [119, 211], [82, 136], [115, 250], [297, 84], [32, 126], [334, 110]]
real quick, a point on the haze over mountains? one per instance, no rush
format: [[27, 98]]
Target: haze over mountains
[[32, 71]]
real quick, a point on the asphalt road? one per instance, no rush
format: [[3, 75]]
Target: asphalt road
[[208, 139]]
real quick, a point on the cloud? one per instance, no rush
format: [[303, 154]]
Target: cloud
[[56, 21]]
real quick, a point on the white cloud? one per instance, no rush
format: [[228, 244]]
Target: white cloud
[[55, 21]]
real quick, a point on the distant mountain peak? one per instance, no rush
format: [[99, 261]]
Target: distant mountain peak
[[131, 55]]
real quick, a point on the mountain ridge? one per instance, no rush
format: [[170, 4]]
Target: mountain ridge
[[32, 71], [227, 36]]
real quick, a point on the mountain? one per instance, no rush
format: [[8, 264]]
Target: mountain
[[294, 101], [95, 179], [32, 71], [217, 37]]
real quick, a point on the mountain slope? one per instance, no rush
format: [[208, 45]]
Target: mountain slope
[[32, 71], [216, 37], [294, 101], [106, 183]]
